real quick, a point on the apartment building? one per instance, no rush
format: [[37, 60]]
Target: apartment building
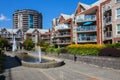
[[62, 32], [97, 23], [38, 34], [9, 33], [116, 20], [87, 21], [27, 18]]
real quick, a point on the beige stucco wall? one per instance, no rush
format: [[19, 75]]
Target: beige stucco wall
[[115, 21]]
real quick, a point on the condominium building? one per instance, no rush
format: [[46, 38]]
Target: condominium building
[[116, 20], [63, 31], [9, 33], [27, 18], [38, 34], [97, 23]]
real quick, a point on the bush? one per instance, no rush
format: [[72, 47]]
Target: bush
[[112, 52], [84, 49], [64, 50]]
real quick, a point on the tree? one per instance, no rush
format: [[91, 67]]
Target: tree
[[28, 44], [4, 43]]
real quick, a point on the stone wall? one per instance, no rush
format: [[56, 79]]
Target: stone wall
[[100, 61]]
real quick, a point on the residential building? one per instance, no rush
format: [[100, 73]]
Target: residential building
[[27, 18], [97, 23], [10, 33], [116, 20], [63, 31], [38, 34]]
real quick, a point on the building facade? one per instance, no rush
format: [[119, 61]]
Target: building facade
[[26, 18], [10, 33], [62, 33], [97, 23]]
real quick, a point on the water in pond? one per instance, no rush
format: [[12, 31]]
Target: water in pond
[[28, 58]]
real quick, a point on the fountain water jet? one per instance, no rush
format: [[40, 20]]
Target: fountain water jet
[[14, 46], [38, 51]]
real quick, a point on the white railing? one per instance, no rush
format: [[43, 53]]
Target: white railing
[[87, 38]]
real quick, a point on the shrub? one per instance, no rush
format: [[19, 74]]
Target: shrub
[[84, 49], [112, 52], [63, 50], [57, 50], [43, 48], [50, 50]]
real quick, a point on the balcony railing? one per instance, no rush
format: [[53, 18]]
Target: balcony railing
[[86, 28], [46, 38], [63, 42], [65, 34], [83, 18], [108, 35], [62, 26], [87, 39], [108, 20]]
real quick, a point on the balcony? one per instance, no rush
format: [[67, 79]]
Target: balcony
[[84, 18], [83, 39], [64, 42], [82, 29], [108, 35], [108, 20], [62, 27], [46, 37], [107, 7], [63, 34]]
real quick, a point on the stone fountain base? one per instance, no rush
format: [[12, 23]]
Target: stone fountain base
[[55, 62]]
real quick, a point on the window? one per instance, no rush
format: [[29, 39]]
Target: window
[[117, 1], [118, 28], [118, 13]]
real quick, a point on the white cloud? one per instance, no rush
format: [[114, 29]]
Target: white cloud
[[3, 18]]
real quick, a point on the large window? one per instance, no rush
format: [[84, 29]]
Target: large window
[[117, 1], [118, 13], [118, 28], [31, 21]]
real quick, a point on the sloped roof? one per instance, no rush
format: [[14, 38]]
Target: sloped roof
[[30, 30], [65, 16], [12, 30], [86, 6], [42, 31]]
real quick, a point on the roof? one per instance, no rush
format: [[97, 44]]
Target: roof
[[65, 16], [30, 30], [12, 30], [86, 6], [42, 31]]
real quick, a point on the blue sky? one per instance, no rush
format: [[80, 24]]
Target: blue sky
[[49, 8]]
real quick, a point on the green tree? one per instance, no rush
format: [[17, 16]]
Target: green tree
[[4, 43], [28, 44]]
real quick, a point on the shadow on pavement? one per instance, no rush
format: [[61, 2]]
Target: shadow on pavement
[[8, 63], [2, 77]]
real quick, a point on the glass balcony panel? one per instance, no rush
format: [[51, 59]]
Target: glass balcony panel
[[87, 38], [85, 18], [86, 28]]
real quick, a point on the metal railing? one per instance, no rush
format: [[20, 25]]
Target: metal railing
[[86, 28], [87, 38], [108, 35], [86, 18]]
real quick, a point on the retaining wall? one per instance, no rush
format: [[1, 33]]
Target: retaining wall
[[100, 61]]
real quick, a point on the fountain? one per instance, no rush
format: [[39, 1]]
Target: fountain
[[38, 61], [14, 46], [38, 51]]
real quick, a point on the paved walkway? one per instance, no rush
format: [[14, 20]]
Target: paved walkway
[[70, 71]]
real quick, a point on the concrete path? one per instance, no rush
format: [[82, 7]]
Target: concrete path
[[70, 71]]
